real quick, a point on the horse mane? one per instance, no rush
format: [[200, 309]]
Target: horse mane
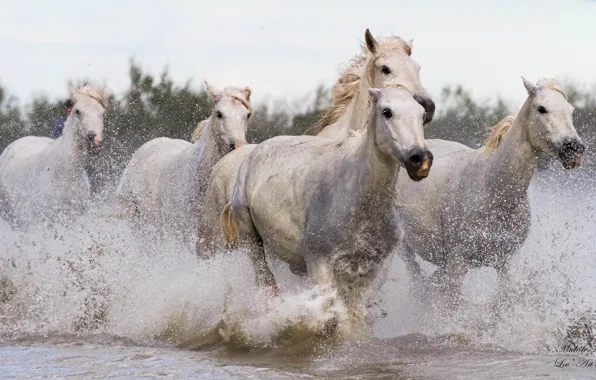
[[238, 94], [552, 84], [96, 93], [197, 132], [351, 78], [497, 132]]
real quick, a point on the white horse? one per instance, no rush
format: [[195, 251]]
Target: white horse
[[474, 210], [165, 180], [380, 63], [326, 208], [45, 178]]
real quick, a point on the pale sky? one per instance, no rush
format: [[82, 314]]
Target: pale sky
[[283, 49]]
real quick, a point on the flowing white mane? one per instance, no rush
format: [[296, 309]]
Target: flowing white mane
[[354, 77], [96, 93]]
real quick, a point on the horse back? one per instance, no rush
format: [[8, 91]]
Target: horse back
[[20, 154]]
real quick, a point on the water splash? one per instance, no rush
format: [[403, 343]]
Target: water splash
[[93, 276]]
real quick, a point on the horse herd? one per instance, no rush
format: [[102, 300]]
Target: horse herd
[[334, 206]]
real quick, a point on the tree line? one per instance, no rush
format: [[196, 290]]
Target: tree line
[[156, 106]]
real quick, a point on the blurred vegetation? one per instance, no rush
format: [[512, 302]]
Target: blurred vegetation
[[154, 107]]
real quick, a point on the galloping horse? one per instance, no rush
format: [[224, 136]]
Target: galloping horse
[[41, 178], [165, 180], [326, 208], [474, 210], [380, 63]]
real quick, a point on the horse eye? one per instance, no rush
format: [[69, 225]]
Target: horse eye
[[249, 115], [541, 109], [385, 70], [218, 114], [387, 113]]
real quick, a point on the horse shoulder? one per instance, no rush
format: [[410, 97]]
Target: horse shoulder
[[278, 180]]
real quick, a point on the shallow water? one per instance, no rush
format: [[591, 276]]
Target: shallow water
[[92, 301], [398, 358]]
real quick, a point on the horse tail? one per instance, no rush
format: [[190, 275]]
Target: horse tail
[[229, 225]]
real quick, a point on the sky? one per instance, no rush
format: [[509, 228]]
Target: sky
[[284, 49]]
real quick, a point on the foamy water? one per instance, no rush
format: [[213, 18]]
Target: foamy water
[[89, 297]]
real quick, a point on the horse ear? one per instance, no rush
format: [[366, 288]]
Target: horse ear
[[529, 86], [247, 91], [212, 93], [375, 93], [371, 44], [409, 43]]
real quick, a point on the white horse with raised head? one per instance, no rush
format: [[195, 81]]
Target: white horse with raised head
[[165, 180], [473, 210], [41, 178], [327, 208], [381, 62]]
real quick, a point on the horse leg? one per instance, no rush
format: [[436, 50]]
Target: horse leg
[[247, 232], [345, 297], [264, 276], [448, 280], [502, 296], [376, 299], [406, 253], [456, 270]]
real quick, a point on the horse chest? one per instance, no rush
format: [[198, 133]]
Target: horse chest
[[359, 248]]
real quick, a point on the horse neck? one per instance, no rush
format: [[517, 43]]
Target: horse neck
[[205, 153], [375, 173], [70, 151], [512, 165], [359, 108]]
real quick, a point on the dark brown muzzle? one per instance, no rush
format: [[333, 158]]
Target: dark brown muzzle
[[429, 106], [418, 164], [571, 152], [94, 142]]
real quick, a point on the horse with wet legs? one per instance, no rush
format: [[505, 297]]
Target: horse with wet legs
[[474, 210], [45, 179], [165, 180], [381, 62], [326, 208]]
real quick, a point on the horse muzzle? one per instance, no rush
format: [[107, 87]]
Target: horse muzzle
[[94, 142], [429, 107], [418, 164], [571, 153]]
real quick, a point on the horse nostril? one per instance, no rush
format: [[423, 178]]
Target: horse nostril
[[232, 146], [416, 159], [571, 147]]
